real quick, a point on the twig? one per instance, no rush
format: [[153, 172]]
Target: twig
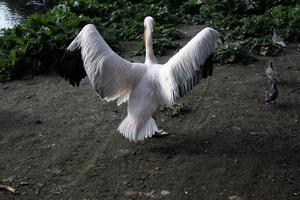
[[8, 188], [294, 90]]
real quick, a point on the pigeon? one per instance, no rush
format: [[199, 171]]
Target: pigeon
[[271, 72], [277, 39], [271, 93]]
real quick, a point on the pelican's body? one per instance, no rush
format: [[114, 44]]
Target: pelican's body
[[145, 86]]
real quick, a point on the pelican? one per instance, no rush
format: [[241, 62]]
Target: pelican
[[144, 86]]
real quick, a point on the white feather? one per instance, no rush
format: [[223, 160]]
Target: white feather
[[182, 67], [110, 75]]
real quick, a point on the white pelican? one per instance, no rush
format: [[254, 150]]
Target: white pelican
[[146, 86]]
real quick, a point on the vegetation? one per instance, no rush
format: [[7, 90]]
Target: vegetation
[[37, 45], [177, 109]]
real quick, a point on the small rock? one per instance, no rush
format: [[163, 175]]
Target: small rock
[[234, 197], [24, 183], [151, 194], [124, 183], [236, 128], [164, 192], [37, 192], [130, 193]]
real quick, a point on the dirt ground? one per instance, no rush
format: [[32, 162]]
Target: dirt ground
[[61, 142]]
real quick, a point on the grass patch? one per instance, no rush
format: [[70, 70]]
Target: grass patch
[[177, 109]]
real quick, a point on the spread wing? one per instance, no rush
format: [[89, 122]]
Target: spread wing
[[189, 66], [110, 75]]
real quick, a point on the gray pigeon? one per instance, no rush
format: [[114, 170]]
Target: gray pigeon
[[271, 93], [271, 72], [277, 39]]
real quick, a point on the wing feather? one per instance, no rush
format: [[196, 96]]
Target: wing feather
[[189, 66], [71, 67], [110, 75]]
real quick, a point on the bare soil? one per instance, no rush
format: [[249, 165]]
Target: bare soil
[[61, 142]]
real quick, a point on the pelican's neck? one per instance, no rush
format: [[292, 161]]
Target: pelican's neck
[[150, 58]]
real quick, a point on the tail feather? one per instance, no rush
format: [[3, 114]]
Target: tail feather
[[135, 131]]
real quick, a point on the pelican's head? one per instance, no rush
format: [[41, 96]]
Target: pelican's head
[[149, 24]]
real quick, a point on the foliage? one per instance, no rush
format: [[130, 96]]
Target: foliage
[[164, 37], [233, 53], [177, 109], [248, 25], [37, 45]]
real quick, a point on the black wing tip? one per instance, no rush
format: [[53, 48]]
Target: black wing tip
[[71, 67], [206, 70], [207, 67], [222, 39]]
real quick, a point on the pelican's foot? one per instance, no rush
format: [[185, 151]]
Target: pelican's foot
[[161, 133]]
